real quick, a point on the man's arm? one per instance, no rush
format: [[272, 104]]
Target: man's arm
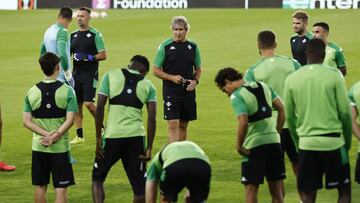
[[151, 191], [279, 107], [29, 124], [290, 114], [343, 70], [355, 125], [57, 134], [62, 40], [343, 108], [99, 119], [241, 134], [151, 129], [195, 81], [158, 72], [100, 56]]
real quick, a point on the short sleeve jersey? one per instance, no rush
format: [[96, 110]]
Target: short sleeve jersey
[[334, 56], [354, 96], [177, 58], [88, 42], [316, 104], [125, 121], [298, 46], [273, 71], [171, 153], [245, 103], [65, 99]]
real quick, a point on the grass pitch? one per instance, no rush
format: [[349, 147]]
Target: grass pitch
[[227, 37]]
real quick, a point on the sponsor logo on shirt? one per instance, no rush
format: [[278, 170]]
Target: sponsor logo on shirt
[[88, 35], [189, 47]]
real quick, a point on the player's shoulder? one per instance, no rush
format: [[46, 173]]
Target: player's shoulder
[[257, 63], [74, 32], [293, 36], [335, 46], [166, 42], [95, 31], [285, 58], [309, 35], [192, 42]]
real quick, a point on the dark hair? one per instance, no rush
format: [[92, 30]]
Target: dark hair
[[65, 12], [266, 39], [316, 48], [227, 73], [85, 9], [323, 25], [142, 60], [301, 15], [48, 62]]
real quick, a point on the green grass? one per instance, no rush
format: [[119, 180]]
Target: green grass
[[226, 38]]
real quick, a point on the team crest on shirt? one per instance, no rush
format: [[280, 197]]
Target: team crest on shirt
[[172, 48], [88, 35], [189, 47], [304, 41], [75, 35], [293, 40]]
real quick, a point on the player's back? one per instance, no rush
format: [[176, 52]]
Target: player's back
[[50, 38], [273, 71], [314, 92]]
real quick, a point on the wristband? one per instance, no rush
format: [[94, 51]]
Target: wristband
[[197, 81]]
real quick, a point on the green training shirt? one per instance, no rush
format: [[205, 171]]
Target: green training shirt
[[316, 104], [334, 56], [273, 71], [171, 153], [354, 96], [125, 121], [260, 132], [65, 99]]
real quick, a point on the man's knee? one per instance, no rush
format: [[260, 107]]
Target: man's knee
[[183, 124], [173, 124]]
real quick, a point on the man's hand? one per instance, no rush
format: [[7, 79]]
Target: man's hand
[[191, 86], [177, 79], [243, 151], [69, 79], [50, 138], [78, 56], [147, 156], [99, 152]]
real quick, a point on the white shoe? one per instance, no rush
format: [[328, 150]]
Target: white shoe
[[77, 140]]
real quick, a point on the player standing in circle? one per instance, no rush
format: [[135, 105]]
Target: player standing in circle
[[87, 46], [178, 64]]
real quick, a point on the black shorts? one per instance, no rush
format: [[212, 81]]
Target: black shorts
[[288, 146], [192, 173], [357, 169], [183, 108], [58, 164], [85, 87], [128, 150], [313, 164], [264, 160]]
